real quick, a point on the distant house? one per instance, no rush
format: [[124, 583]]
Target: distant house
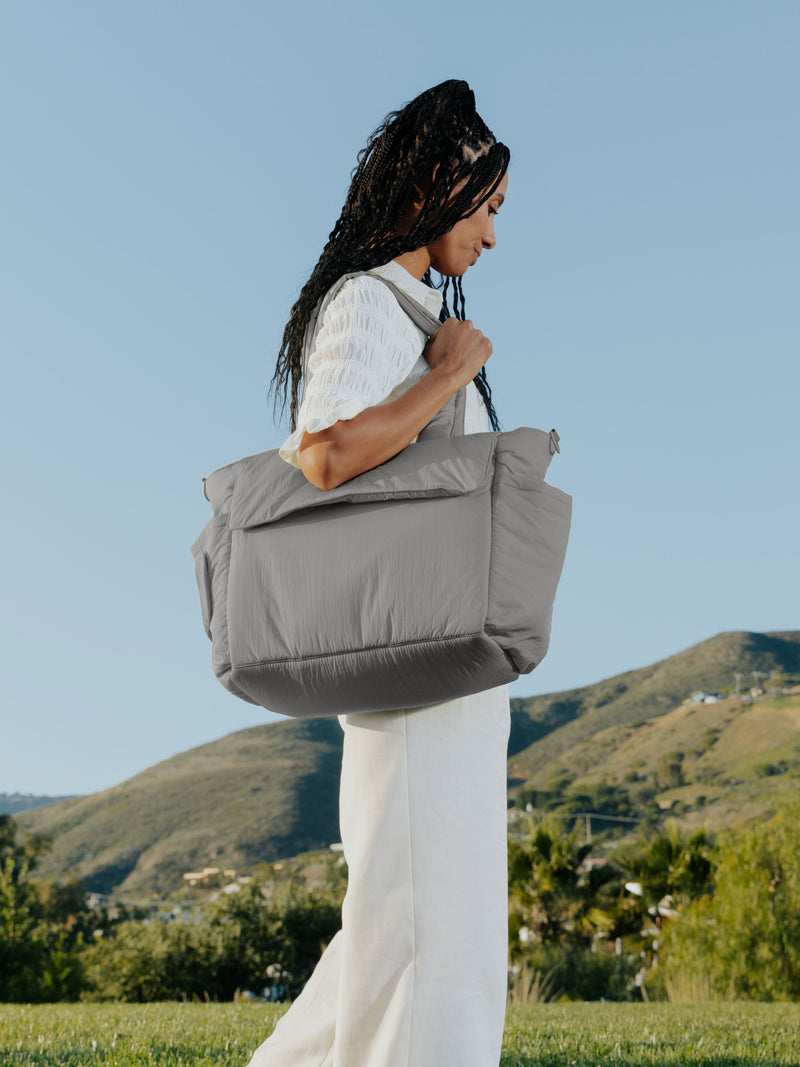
[[213, 874], [704, 697], [193, 877]]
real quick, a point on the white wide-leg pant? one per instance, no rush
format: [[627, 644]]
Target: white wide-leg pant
[[417, 975]]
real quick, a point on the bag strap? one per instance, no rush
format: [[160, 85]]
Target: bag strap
[[449, 420]]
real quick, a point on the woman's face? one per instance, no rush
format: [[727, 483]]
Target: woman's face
[[457, 250]]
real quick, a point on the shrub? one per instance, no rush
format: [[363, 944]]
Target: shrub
[[743, 937]]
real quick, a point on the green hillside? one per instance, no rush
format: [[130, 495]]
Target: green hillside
[[703, 764], [271, 792], [259, 794], [544, 727]]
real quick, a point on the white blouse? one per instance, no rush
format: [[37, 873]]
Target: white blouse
[[367, 351]]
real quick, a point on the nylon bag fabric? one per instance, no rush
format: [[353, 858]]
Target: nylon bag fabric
[[431, 576]]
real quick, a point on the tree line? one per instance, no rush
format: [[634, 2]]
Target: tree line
[[673, 915]]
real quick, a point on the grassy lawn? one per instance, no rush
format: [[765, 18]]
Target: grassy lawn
[[616, 1035], [537, 1035]]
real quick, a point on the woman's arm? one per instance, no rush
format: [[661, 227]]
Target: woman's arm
[[351, 446], [455, 355]]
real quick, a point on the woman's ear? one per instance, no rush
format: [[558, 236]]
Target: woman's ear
[[423, 187]]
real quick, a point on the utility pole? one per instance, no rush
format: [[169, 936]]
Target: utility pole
[[737, 676], [588, 820]]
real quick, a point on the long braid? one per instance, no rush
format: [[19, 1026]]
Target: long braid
[[441, 126], [481, 382]]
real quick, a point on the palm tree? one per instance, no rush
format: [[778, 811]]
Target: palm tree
[[550, 888], [669, 864]]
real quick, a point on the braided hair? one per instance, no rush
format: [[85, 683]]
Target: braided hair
[[440, 126]]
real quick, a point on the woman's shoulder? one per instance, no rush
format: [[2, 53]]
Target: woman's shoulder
[[365, 304], [363, 289]]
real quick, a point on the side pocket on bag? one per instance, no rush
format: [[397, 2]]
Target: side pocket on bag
[[212, 556], [203, 576], [209, 555]]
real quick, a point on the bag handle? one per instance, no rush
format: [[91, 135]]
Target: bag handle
[[449, 420]]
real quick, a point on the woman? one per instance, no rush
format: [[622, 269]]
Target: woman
[[417, 975]]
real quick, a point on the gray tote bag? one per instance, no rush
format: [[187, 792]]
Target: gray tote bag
[[429, 577]]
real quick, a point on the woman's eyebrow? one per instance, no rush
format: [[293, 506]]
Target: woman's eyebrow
[[502, 198]]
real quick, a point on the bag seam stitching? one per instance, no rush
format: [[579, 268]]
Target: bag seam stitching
[[365, 648]]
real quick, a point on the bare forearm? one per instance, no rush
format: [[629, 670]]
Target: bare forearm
[[379, 433]]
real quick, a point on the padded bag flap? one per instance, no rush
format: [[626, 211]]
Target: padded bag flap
[[267, 489], [263, 488]]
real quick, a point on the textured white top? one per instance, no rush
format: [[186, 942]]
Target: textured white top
[[367, 351]]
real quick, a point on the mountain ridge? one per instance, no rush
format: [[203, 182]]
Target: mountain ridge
[[270, 792], [13, 803]]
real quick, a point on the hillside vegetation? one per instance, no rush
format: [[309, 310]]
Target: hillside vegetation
[[626, 743], [711, 765], [560, 720], [258, 794]]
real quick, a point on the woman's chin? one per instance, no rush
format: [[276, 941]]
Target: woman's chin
[[454, 272]]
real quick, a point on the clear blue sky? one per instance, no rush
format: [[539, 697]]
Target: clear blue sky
[[171, 173]]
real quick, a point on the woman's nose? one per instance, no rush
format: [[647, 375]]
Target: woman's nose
[[489, 239]]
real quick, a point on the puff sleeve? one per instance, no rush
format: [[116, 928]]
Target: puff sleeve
[[366, 351]]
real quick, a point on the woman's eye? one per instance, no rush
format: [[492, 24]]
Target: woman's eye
[[492, 210]]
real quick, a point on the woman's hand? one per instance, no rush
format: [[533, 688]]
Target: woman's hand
[[458, 350]]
